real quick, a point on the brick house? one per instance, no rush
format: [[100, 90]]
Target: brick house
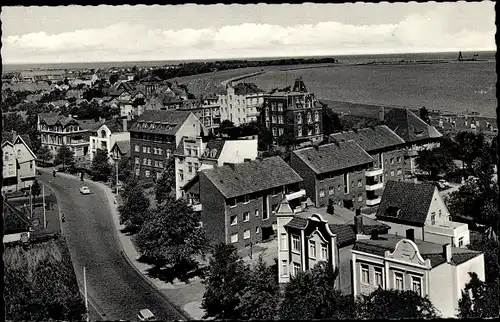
[[154, 138], [333, 171], [387, 150], [239, 201]]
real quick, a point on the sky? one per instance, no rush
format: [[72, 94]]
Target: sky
[[183, 32]]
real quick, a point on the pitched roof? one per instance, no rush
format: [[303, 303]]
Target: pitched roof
[[161, 122], [249, 177], [213, 149], [15, 220], [123, 146], [90, 125], [406, 201], [247, 88], [428, 250], [371, 138], [53, 118], [409, 126], [114, 125], [333, 156]]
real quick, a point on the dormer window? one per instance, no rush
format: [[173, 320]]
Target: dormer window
[[392, 211]]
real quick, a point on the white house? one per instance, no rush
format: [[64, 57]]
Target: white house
[[107, 135], [18, 164], [241, 103]]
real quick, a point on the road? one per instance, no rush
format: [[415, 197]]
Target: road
[[114, 287]]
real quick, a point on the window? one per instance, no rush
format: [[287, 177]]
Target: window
[[284, 268], [433, 219], [232, 202], [256, 212], [461, 242], [246, 216], [392, 160], [280, 119], [324, 252], [246, 198], [234, 238], [365, 274], [137, 160], [392, 173], [296, 268], [31, 164], [181, 175], [280, 131], [145, 161], [360, 183], [190, 167], [399, 159], [234, 220], [398, 281], [339, 188], [299, 130], [154, 150], [399, 172], [137, 172], [312, 248], [149, 162], [160, 164], [295, 243], [137, 149], [196, 166], [147, 173], [321, 193], [257, 230], [378, 277], [246, 234], [331, 190], [284, 241], [168, 152], [360, 197], [352, 184], [144, 149], [416, 285]]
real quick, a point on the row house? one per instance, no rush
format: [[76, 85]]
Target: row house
[[18, 163], [296, 111], [239, 201], [154, 138], [307, 236], [334, 171], [437, 271], [241, 103], [58, 130], [416, 133], [107, 134], [387, 150], [194, 154], [419, 206]]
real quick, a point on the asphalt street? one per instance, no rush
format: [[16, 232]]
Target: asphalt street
[[114, 287]]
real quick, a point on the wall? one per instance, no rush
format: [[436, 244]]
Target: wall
[[441, 282], [164, 145], [437, 205], [307, 175], [476, 265], [213, 213], [345, 272], [400, 229], [241, 226], [191, 128], [236, 151], [388, 167]]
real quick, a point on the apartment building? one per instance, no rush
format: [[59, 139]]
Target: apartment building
[[209, 115], [239, 201], [154, 138], [18, 163], [241, 103], [419, 206], [193, 154], [430, 269], [387, 150], [107, 134], [334, 171], [296, 111]]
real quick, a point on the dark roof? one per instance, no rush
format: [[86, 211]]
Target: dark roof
[[123, 146], [15, 220], [53, 118], [297, 223], [249, 177], [161, 122], [409, 126], [333, 156], [180, 148], [90, 125], [371, 138], [406, 202], [431, 251], [26, 140], [114, 125], [213, 149], [247, 88]]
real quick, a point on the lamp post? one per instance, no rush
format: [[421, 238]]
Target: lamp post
[[116, 163], [44, 218], [85, 292]]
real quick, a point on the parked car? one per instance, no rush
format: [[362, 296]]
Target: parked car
[[442, 184], [146, 315], [85, 190]]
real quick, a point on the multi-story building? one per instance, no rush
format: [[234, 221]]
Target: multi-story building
[[18, 163], [334, 171], [106, 136], [419, 206], [387, 150], [209, 115], [309, 235], [241, 103], [154, 138], [430, 269], [296, 111], [239, 201], [194, 154]]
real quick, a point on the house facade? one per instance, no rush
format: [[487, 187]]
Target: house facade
[[334, 171], [107, 134], [239, 201], [209, 115], [18, 164], [395, 262], [155, 137], [241, 103]]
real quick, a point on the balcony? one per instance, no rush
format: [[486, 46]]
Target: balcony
[[295, 195], [374, 172], [373, 202], [375, 186], [454, 229]]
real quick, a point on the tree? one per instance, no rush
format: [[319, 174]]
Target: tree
[[470, 146], [44, 154], [265, 138], [101, 169], [134, 210], [113, 78], [165, 186], [479, 299], [489, 247], [288, 139], [225, 283], [36, 189], [171, 237], [434, 161], [424, 115], [65, 156], [331, 122], [124, 170], [394, 304], [261, 296], [313, 295]]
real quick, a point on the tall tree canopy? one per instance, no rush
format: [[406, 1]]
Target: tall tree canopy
[[135, 207], [101, 169], [424, 115], [479, 299], [331, 122], [435, 162], [64, 156], [165, 186]]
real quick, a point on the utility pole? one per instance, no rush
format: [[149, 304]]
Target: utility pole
[[116, 161], [31, 204], [85, 291], [44, 218]]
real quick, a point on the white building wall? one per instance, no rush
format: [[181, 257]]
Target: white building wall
[[475, 265], [441, 280], [191, 128], [13, 237], [400, 229], [236, 151], [437, 205]]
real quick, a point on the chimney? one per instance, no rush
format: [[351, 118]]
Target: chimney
[[410, 234], [447, 252], [124, 122], [358, 223], [381, 114]]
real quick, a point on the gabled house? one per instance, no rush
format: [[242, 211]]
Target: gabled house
[[107, 134], [18, 163], [419, 206], [334, 171]]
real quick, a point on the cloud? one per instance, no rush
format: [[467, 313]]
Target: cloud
[[435, 31]]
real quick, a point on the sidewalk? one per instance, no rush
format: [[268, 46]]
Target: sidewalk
[[187, 297]]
